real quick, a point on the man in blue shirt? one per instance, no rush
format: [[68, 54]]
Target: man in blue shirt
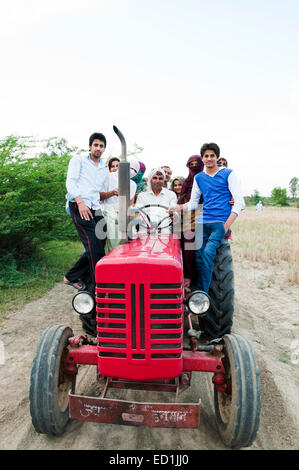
[[217, 186], [86, 178]]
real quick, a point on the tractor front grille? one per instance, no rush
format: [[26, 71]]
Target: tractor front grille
[[111, 319], [165, 320], [140, 322]]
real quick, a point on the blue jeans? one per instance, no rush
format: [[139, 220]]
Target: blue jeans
[[212, 236]]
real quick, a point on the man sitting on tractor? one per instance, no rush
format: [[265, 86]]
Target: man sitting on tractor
[[218, 186], [154, 195]]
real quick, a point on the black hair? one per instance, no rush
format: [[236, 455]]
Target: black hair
[[178, 178], [210, 146], [114, 159], [97, 135]]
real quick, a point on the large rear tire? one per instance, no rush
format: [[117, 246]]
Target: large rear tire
[[238, 409], [219, 318], [49, 384]]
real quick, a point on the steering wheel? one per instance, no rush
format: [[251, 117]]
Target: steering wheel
[[152, 226]]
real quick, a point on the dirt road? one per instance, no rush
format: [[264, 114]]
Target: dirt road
[[268, 317]]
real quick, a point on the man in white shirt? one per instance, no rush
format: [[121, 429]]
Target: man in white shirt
[[156, 194], [85, 180]]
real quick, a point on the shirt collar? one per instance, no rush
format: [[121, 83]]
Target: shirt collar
[[222, 168], [161, 192], [102, 164]]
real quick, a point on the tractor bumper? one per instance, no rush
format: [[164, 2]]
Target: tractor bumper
[[164, 415]]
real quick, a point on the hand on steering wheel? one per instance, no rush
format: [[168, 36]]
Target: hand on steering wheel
[[152, 226]]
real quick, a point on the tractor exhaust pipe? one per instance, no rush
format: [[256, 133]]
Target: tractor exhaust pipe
[[123, 188]]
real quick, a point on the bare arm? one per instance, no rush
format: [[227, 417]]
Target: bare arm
[[108, 194], [230, 221]]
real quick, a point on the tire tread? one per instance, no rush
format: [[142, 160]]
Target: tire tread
[[42, 386], [219, 318], [242, 428]]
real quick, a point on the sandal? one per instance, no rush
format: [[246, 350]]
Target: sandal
[[77, 285]]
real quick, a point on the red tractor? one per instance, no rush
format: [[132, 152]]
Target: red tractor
[[136, 318]]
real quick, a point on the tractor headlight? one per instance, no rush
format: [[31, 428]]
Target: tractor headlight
[[198, 302], [83, 302]]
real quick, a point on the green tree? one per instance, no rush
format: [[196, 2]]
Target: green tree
[[294, 187], [137, 150], [255, 197], [32, 193], [279, 196]]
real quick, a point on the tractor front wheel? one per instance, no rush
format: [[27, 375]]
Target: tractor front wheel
[[238, 409], [49, 383]]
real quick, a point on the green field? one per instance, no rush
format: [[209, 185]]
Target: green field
[[270, 237]]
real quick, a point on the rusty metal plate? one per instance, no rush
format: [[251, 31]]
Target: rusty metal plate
[[164, 415]]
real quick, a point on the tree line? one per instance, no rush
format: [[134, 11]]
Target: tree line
[[32, 193], [279, 196]]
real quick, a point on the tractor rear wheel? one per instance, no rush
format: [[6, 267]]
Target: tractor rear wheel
[[238, 409], [219, 318], [49, 383]]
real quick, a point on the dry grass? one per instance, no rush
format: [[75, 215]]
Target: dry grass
[[270, 237]]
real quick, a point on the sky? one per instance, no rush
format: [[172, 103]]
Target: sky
[[170, 74]]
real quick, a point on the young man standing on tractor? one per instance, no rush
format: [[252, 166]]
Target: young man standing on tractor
[[85, 180], [218, 186]]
